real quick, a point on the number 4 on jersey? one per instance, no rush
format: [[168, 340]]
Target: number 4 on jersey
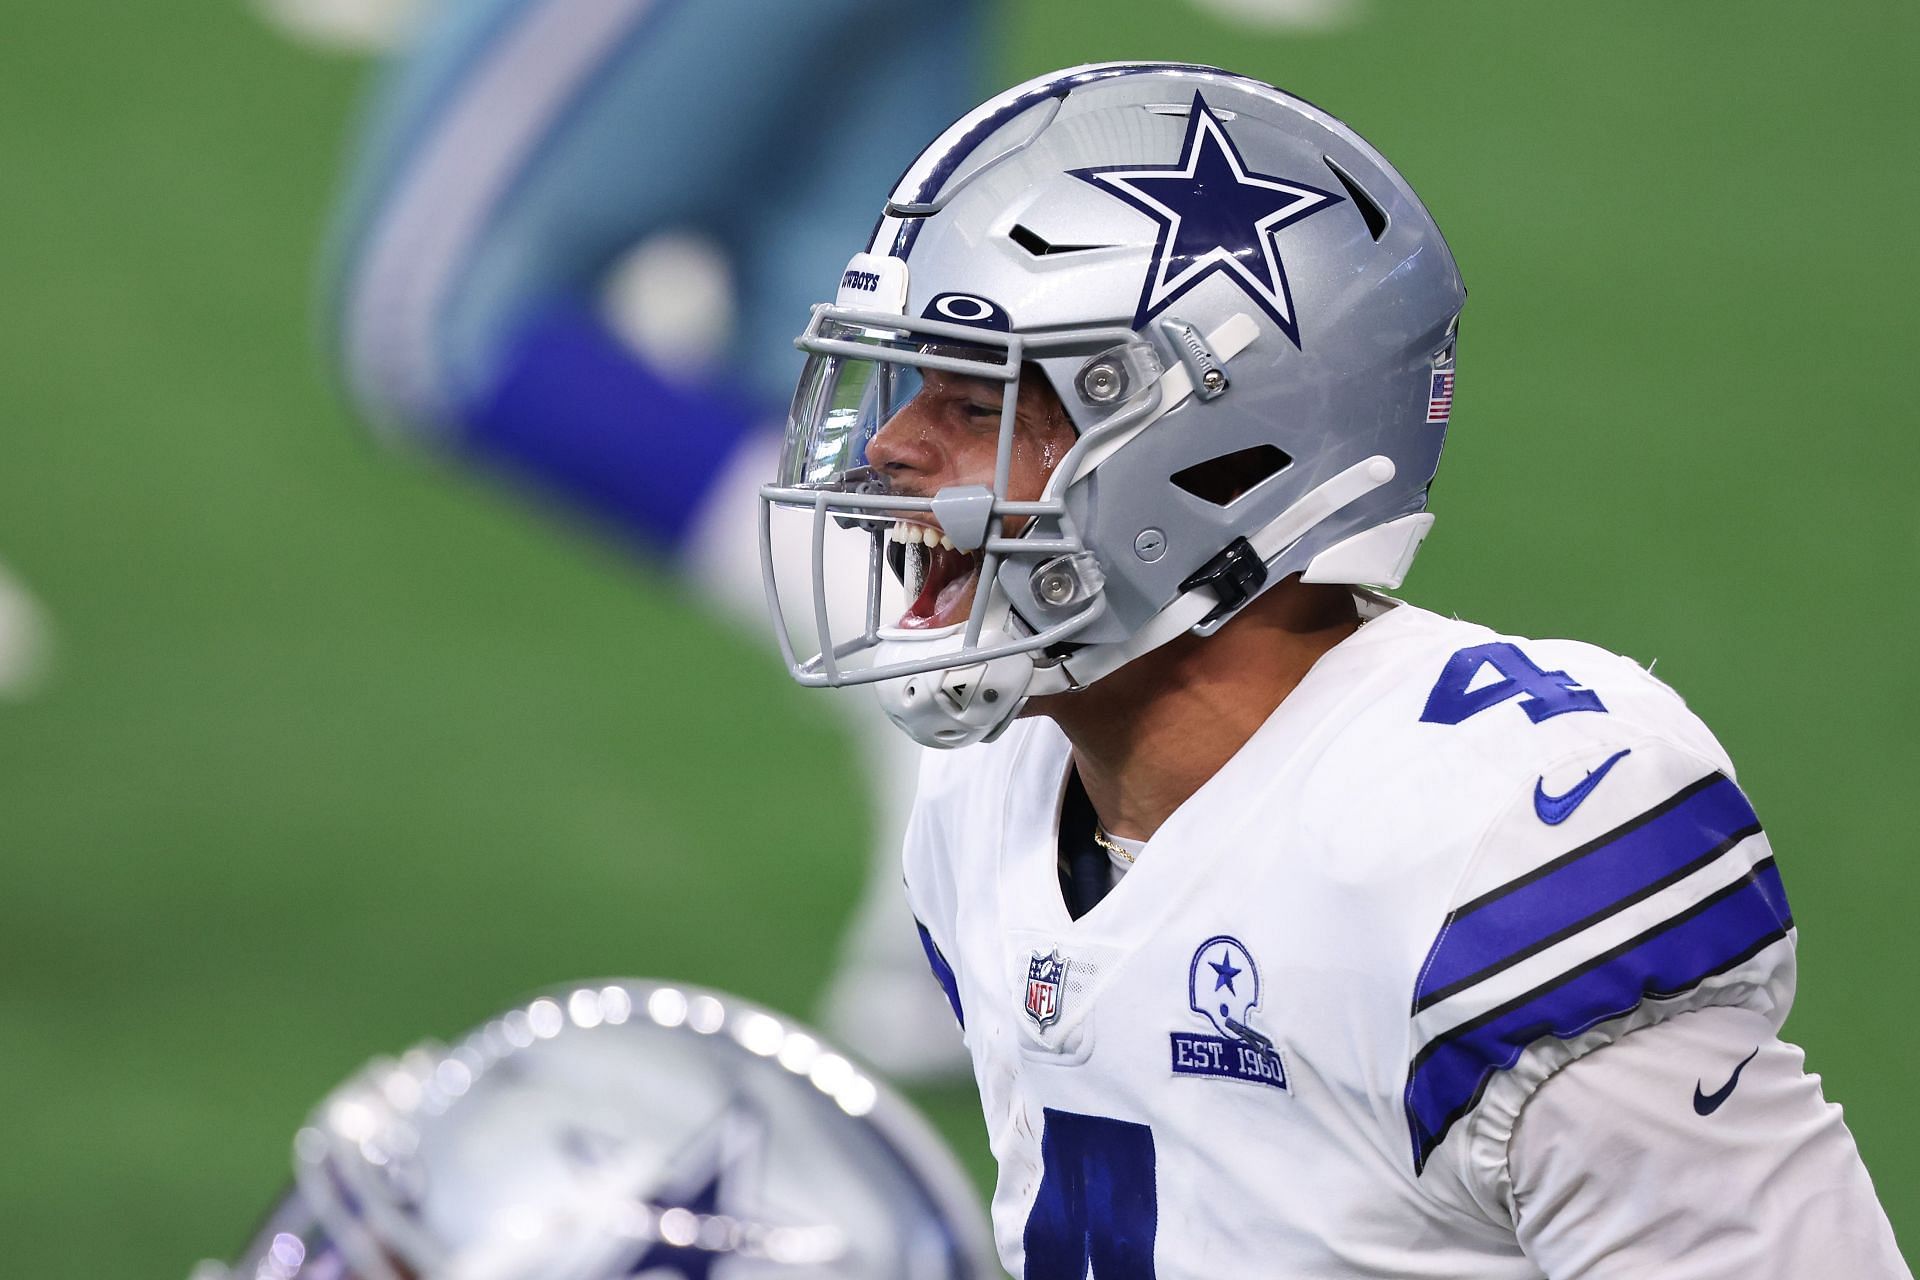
[[1542, 694], [1097, 1209]]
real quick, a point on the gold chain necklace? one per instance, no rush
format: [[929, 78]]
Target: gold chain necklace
[[1112, 846]]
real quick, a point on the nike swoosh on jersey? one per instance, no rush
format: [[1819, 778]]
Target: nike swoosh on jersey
[[1664, 902], [1707, 1103], [1554, 810]]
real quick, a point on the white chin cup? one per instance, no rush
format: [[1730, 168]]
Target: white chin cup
[[952, 706]]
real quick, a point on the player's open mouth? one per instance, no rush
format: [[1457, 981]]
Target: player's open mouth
[[939, 579]]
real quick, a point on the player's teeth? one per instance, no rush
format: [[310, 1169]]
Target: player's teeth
[[920, 535]]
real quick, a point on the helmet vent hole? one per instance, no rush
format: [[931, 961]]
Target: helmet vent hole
[[1231, 476], [1369, 208], [1037, 245]]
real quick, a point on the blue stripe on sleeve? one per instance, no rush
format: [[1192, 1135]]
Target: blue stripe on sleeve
[[1450, 1073], [1659, 847], [942, 972]]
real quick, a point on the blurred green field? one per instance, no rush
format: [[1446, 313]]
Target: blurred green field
[[339, 753]]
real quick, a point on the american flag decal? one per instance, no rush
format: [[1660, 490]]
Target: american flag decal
[[1440, 396]]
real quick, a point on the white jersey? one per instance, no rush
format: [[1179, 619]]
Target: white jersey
[[1294, 1039]]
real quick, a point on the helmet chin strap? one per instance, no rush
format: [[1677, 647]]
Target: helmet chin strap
[[1189, 611], [958, 706]]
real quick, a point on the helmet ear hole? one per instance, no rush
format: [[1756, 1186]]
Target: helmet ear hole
[[1231, 476], [1037, 245], [1376, 217]]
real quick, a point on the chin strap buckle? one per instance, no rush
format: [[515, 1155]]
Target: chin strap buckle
[[1208, 370], [1234, 576]]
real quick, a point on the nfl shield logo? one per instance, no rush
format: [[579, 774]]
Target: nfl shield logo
[[1045, 977]]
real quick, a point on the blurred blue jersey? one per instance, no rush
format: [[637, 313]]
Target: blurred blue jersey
[[524, 146]]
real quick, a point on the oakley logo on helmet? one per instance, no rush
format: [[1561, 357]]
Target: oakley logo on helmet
[[965, 308], [1216, 217]]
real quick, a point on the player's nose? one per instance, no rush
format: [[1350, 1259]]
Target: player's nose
[[904, 448]]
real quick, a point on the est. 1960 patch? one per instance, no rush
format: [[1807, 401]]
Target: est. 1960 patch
[[1223, 989]]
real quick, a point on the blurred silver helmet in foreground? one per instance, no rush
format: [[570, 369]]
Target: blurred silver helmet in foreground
[[620, 1129], [1246, 313]]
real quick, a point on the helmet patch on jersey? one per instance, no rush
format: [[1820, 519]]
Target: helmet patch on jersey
[[1223, 990], [1215, 217], [1046, 983]]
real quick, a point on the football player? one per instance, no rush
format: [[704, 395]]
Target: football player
[[620, 1129], [1295, 931]]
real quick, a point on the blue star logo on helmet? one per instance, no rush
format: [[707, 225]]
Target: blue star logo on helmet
[[1216, 217], [685, 1256]]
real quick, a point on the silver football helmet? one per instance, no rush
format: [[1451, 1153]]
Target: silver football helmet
[[1244, 313], [620, 1129]]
